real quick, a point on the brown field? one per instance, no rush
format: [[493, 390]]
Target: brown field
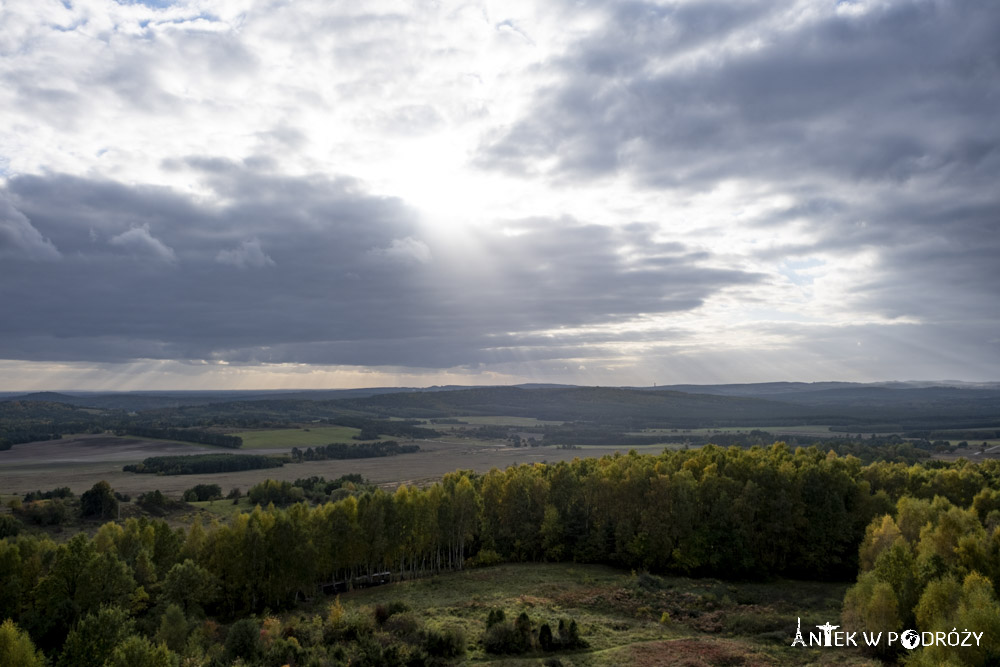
[[80, 461]]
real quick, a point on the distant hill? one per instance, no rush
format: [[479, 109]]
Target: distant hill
[[874, 407], [849, 407], [605, 405], [756, 390]]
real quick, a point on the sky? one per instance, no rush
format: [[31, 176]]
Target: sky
[[242, 194]]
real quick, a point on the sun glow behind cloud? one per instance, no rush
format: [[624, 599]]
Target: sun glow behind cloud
[[496, 192]]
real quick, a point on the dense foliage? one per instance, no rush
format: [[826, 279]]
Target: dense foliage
[[722, 512], [186, 435], [932, 565], [200, 464], [202, 492], [362, 450]]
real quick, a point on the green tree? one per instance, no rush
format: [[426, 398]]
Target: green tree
[[136, 651], [871, 605], [16, 647], [99, 502], [106, 580], [94, 639], [190, 586], [243, 640], [173, 630]]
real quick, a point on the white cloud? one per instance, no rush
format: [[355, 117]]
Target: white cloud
[[139, 242], [248, 254]]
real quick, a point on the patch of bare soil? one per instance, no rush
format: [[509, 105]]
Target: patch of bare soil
[[93, 449]]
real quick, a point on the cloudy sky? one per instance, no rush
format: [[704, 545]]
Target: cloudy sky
[[304, 193]]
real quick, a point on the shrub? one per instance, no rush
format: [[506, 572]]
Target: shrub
[[569, 635], [406, 626], [384, 611], [202, 492], [9, 526], [99, 502], [279, 493], [45, 512], [495, 616], [545, 639], [485, 558], [444, 643], [336, 614], [154, 502], [61, 492], [505, 639]]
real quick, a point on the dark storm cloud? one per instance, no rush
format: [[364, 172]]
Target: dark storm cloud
[[273, 268], [882, 125]]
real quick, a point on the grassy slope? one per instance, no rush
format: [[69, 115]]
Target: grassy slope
[[711, 622]]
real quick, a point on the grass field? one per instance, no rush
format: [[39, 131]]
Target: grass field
[[223, 508], [287, 438], [620, 615]]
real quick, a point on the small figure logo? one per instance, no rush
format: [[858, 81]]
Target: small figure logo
[[827, 633], [798, 635]]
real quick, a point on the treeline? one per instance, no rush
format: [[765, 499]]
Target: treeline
[[11, 438], [375, 428], [202, 464], [362, 450], [869, 449], [955, 434], [185, 435]]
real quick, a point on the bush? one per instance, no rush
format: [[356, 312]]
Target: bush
[[495, 616], [545, 639], [9, 526], [61, 492], [202, 492], [99, 502], [485, 558], [569, 635], [406, 626], [444, 643], [506, 639], [154, 502], [384, 611], [45, 512], [279, 493]]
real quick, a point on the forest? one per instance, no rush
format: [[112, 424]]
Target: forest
[[922, 540], [596, 413]]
